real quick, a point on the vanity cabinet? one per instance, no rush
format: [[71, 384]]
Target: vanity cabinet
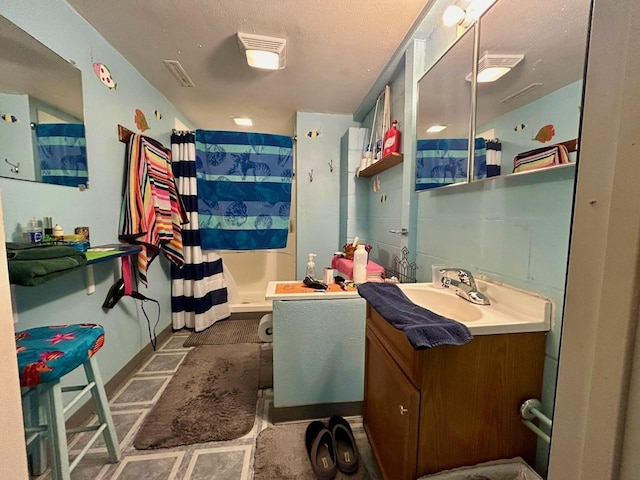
[[430, 410]]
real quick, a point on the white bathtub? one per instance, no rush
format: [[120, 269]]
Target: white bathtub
[[249, 272]]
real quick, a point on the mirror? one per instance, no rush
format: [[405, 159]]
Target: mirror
[[526, 120], [41, 111], [536, 105], [444, 99]]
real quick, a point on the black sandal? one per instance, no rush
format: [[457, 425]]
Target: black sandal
[[321, 451], [344, 444]]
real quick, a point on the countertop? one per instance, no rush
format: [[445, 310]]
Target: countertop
[[272, 294]]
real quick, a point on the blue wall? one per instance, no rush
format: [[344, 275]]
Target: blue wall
[[64, 300], [318, 352], [354, 212], [385, 206], [318, 201]]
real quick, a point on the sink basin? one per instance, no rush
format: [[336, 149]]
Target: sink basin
[[443, 303], [512, 310]]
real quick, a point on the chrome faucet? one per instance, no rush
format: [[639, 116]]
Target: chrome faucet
[[463, 284]]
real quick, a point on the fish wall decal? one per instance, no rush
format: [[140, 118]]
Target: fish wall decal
[[103, 73], [7, 117], [140, 120], [545, 134]]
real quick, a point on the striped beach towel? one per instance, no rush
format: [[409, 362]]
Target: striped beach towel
[[152, 212]]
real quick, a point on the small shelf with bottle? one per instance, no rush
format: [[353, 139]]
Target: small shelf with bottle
[[381, 165]]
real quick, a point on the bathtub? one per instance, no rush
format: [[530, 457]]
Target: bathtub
[[248, 273]]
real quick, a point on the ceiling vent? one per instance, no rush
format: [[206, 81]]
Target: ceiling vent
[[492, 66], [263, 52], [179, 72], [521, 92]]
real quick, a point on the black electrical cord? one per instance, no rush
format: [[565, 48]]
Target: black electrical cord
[[152, 336]]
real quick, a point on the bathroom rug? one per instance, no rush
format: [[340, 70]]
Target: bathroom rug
[[211, 397], [227, 331], [281, 453]]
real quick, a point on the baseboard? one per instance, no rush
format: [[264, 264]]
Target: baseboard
[[321, 410], [81, 415]]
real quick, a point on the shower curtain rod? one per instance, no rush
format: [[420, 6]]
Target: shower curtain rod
[[183, 132]]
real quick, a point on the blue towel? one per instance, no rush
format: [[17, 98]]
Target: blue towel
[[244, 189], [62, 151], [443, 161], [423, 328]]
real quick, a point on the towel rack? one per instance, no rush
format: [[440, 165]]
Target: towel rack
[[124, 134], [531, 409]]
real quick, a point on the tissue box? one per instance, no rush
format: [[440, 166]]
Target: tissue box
[[344, 266]]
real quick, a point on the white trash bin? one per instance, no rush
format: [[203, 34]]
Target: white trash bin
[[511, 469]]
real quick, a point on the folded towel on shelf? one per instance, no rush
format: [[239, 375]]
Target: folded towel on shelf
[[31, 265], [423, 328]]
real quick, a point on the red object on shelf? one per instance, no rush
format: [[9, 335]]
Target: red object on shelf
[[391, 140]]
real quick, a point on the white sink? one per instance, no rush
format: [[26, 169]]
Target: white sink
[[442, 302], [511, 311]]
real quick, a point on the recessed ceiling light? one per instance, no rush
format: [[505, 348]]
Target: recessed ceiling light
[[243, 121], [436, 128]]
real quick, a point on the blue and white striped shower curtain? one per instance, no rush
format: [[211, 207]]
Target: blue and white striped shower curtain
[[198, 290], [244, 189], [62, 152]]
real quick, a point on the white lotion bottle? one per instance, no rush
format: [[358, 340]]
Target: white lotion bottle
[[360, 258], [311, 266]]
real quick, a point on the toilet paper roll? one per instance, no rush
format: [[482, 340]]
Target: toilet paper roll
[[265, 328]]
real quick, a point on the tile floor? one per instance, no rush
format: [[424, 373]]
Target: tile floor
[[231, 460]]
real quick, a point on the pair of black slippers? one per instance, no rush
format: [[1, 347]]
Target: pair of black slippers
[[331, 448]]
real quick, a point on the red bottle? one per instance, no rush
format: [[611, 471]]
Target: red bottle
[[391, 140]]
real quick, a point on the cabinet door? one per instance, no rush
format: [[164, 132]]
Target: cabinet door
[[391, 413]]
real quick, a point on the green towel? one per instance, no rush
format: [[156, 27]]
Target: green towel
[[31, 265]]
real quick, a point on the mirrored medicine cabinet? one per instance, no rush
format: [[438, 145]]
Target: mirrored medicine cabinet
[[42, 135], [526, 120]]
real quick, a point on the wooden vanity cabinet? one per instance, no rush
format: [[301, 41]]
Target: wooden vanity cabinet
[[430, 410]]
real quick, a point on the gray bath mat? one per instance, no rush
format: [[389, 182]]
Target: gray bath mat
[[281, 454], [211, 397], [225, 332]]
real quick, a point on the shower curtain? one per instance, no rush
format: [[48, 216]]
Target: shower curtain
[[198, 291], [244, 185], [62, 152]]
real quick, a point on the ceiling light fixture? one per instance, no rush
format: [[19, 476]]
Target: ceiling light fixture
[[179, 72], [454, 15], [493, 66], [436, 128], [243, 121], [268, 53]]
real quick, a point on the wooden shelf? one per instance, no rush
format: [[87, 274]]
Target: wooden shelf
[[383, 164]]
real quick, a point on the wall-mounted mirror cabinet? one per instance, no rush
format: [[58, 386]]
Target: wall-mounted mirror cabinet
[[528, 95], [41, 111]]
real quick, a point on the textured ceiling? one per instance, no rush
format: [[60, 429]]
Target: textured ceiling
[[336, 50]]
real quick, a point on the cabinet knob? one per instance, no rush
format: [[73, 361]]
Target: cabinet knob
[[403, 410]]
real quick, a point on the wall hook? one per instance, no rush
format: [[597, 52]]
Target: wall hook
[[311, 176], [14, 168], [331, 165]]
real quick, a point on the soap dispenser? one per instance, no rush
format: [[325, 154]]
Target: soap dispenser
[[311, 266]]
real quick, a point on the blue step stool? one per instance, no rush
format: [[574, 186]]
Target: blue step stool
[[45, 355]]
